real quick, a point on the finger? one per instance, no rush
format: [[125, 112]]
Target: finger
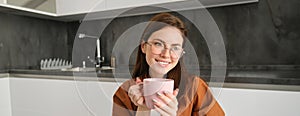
[[163, 108], [163, 113], [133, 99], [135, 89], [172, 95], [134, 93], [169, 95], [139, 88], [164, 98], [137, 95], [140, 101], [173, 100], [170, 101], [137, 100]]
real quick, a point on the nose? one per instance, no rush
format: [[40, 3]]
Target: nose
[[166, 53]]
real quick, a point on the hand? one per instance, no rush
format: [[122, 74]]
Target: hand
[[170, 105], [136, 94]]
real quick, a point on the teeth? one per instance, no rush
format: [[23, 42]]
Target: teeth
[[163, 62]]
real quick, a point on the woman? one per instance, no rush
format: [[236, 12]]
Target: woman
[[160, 56]]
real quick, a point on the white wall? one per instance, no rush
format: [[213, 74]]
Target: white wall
[[5, 106], [46, 97]]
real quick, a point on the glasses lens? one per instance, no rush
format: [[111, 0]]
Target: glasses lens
[[176, 53], [158, 47]]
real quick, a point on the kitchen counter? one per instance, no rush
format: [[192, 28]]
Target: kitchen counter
[[274, 79], [104, 75], [279, 77], [4, 71]]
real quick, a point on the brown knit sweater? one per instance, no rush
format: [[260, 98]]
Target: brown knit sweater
[[194, 98]]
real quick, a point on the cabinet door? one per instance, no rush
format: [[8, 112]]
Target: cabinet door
[[38, 5], [119, 4], [69, 7], [5, 100], [2, 1]]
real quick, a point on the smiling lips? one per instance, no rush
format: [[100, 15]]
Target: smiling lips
[[163, 63]]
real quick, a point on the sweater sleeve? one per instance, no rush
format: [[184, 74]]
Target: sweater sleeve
[[204, 102], [122, 105]]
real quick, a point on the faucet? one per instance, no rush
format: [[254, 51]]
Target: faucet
[[98, 59]]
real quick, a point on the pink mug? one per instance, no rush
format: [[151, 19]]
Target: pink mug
[[152, 86]]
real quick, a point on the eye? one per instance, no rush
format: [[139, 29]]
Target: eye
[[176, 48], [158, 44]]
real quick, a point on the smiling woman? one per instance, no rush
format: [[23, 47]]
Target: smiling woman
[[160, 55]]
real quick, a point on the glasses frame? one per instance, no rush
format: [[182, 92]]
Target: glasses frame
[[170, 50]]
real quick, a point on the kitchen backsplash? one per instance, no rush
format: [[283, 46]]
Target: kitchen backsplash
[[25, 41], [263, 33]]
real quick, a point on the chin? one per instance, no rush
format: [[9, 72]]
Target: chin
[[163, 71]]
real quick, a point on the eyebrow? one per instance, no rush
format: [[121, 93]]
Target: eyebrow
[[176, 44]]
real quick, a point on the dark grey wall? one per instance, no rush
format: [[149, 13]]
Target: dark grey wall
[[263, 33], [24, 41]]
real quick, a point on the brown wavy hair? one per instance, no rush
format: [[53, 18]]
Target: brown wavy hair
[[156, 23]]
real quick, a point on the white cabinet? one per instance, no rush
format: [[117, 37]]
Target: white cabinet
[[40, 5], [120, 4], [50, 97], [253, 102], [5, 99], [20, 10], [71, 7], [2, 1], [70, 10]]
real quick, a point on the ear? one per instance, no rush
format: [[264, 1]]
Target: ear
[[143, 47]]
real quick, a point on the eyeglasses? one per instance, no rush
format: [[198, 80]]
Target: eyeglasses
[[157, 47]]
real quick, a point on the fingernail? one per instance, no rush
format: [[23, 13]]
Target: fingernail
[[154, 100], [166, 92], [159, 94]]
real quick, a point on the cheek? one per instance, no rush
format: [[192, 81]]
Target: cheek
[[175, 60], [150, 58]]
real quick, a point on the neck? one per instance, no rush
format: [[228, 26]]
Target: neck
[[154, 74]]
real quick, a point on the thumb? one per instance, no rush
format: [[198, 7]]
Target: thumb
[[140, 101], [138, 80]]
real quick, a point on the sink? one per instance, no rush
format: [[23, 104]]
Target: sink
[[106, 68], [88, 69], [79, 69]]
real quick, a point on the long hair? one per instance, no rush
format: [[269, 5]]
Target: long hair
[[156, 23]]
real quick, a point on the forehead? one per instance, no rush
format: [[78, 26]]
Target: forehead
[[168, 34]]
